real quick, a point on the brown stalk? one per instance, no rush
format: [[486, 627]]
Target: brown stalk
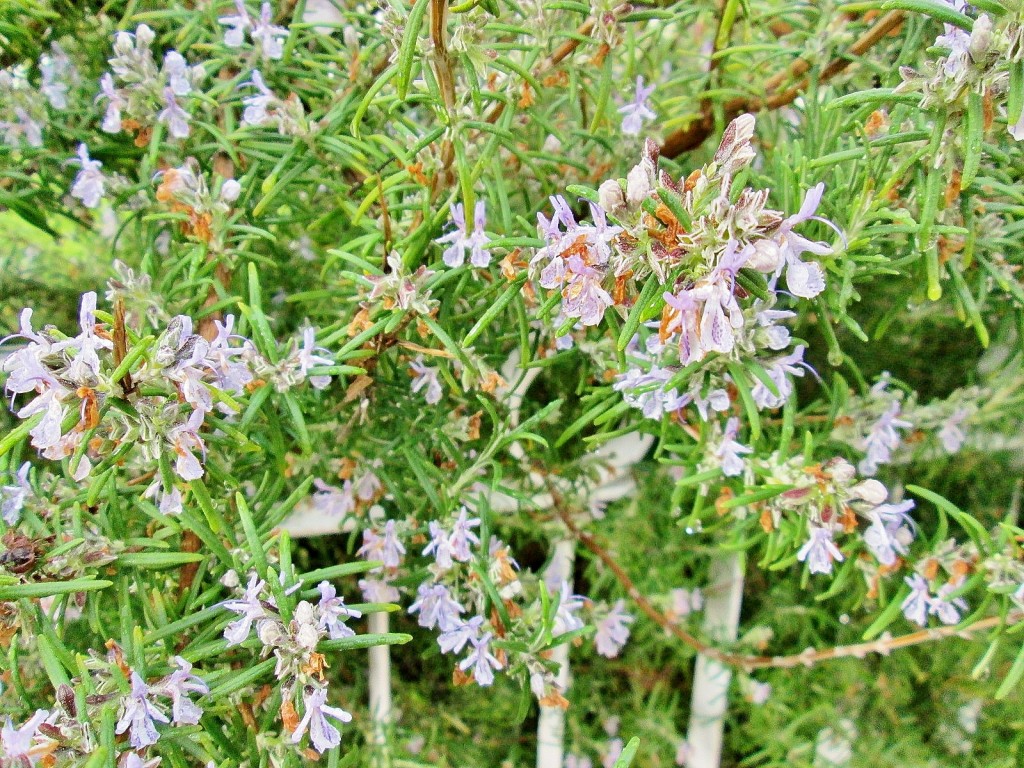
[[691, 137], [748, 662]]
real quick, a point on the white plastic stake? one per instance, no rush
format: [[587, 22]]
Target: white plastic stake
[[380, 686], [551, 723], [710, 698]]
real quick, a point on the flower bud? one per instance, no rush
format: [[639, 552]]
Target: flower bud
[[640, 183], [765, 256], [610, 197], [981, 37], [871, 491], [230, 191]]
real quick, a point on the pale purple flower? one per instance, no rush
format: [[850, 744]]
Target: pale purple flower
[[722, 314], [17, 742], [387, 548], [481, 660], [139, 715], [322, 734], [426, 376], [729, 452], [377, 591], [269, 36], [52, 69], [179, 685], [882, 439], [436, 607], [462, 536], [637, 112], [461, 240], [308, 358], [89, 184], [1017, 129], [177, 72], [249, 607], [331, 500], [230, 191], [333, 612], [887, 536], [455, 639], [758, 692], [803, 279], [685, 602], [685, 321], [14, 496], [819, 551], [583, 296], [86, 363], [440, 546], [613, 630], [946, 608], [615, 747], [569, 605], [174, 116], [115, 103], [577, 761], [915, 605], [185, 439], [779, 371], [256, 107], [234, 36], [368, 484], [951, 434]]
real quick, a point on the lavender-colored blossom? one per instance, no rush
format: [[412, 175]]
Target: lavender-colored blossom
[[819, 551], [803, 279], [333, 612], [462, 536], [455, 639], [387, 548], [115, 103], [686, 601], [613, 630], [951, 434], [185, 439], [729, 452], [269, 36], [377, 591], [89, 184], [368, 485], [307, 359], [721, 316], [249, 607], [257, 106], [779, 371], [333, 501], [614, 750], [17, 742], [234, 36], [481, 660], [139, 715], [322, 735], [461, 240], [569, 605], [915, 605], [426, 376], [882, 439], [948, 609], [14, 496], [174, 116], [55, 68], [436, 607], [179, 685], [176, 70], [440, 546], [637, 112], [684, 320]]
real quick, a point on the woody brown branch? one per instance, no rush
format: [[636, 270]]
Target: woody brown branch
[[751, 662], [691, 137]]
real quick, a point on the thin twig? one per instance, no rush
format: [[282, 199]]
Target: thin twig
[[691, 137], [806, 658]]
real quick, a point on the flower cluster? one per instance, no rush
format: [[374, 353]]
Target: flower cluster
[[831, 501], [66, 732], [293, 642], [265, 35], [976, 62], [265, 108], [139, 94], [71, 381], [936, 582], [22, 108]]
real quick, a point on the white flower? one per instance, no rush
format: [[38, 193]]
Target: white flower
[[819, 552]]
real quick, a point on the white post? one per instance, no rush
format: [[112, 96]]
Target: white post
[[710, 697], [380, 689], [551, 723]]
